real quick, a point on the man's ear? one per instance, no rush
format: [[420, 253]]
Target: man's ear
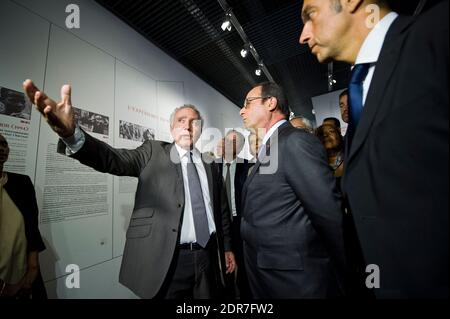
[[273, 103], [351, 6]]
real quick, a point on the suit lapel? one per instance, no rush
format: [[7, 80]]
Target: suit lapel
[[383, 72], [174, 159], [269, 145]]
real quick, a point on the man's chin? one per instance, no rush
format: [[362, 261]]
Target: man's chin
[[187, 145]]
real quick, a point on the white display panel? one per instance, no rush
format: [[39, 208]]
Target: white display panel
[[22, 55], [136, 118], [327, 105], [170, 96], [75, 201], [94, 282]]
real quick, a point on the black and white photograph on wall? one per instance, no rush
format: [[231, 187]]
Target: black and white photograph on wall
[[135, 132], [92, 122], [14, 103]]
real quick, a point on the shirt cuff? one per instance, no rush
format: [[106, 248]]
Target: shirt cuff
[[75, 142]]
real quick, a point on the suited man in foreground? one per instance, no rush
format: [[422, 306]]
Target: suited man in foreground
[[396, 177], [180, 225], [291, 209]]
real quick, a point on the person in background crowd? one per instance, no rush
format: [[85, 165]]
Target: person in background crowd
[[333, 142], [303, 123], [20, 240], [234, 172]]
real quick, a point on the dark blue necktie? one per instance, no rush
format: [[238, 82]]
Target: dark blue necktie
[[198, 204], [355, 95]]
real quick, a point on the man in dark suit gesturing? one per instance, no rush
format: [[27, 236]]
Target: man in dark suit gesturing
[[396, 177], [180, 225], [291, 210]]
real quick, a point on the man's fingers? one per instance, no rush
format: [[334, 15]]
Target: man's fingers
[[42, 101], [66, 92], [30, 89]]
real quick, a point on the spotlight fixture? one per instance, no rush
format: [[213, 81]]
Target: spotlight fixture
[[226, 24], [230, 21]]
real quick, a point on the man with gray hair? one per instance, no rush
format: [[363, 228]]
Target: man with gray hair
[[178, 240], [234, 172], [303, 123]]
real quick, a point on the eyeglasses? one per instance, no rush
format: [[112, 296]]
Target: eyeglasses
[[249, 99]]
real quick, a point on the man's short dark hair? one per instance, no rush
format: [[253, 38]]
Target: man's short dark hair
[[337, 123], [345, 92], [271, 89], [336, 5]]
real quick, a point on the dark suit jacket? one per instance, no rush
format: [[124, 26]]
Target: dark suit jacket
[[156, 221], [21, 190], [242, 167], [396, 176], [292, 219]]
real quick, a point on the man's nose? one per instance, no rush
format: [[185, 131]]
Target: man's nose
[[305, 35]]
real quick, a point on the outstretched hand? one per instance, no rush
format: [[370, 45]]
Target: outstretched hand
[[60, 115]]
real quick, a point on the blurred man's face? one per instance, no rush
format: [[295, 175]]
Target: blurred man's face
[[186, 128], [4, 150], [343, 105], [220, 148], [254, 144], [325, 23], [231, 146]]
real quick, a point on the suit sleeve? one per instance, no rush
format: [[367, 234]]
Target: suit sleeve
[[226, 220], [106, 159], [310, 176]]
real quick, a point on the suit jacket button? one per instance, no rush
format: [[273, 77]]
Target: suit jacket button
[[174, 230]]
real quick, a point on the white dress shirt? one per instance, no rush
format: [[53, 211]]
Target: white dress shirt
[[188, 228], [371, 48], [232, 169], [269, 133]]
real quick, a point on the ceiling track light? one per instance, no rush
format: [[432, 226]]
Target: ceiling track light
[[226, 24], [230, 21], [258, 71]]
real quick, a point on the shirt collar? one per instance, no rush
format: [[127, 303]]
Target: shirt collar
[[371, 48], [182, 152], [272, 129], [232, 162]]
